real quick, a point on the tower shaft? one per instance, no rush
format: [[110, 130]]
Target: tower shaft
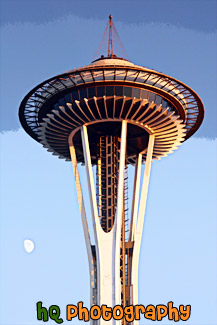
[[113, 260]]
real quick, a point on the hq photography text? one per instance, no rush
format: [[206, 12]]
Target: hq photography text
[[130, 313]]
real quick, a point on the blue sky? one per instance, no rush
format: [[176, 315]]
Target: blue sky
[[40, 39]]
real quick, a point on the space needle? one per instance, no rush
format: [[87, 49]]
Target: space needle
[[109, 114]]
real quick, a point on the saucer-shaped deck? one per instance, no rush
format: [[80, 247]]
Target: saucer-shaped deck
[[103, 94]]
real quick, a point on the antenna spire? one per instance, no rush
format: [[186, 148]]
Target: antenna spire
[[110, 40]]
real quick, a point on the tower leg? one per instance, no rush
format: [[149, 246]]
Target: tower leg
[[135, 202], [118, 219], [139, 227], [84, 224]]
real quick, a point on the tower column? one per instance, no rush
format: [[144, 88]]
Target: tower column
[[84, 222], [137, 235], [119, 214]]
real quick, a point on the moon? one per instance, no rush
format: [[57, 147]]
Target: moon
[[29, 245]]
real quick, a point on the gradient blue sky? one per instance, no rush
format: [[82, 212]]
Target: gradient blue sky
[[178, 261]]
